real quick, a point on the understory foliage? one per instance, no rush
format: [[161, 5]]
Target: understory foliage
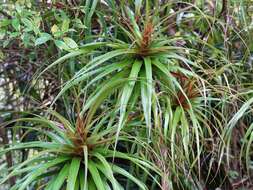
[[128, 94]]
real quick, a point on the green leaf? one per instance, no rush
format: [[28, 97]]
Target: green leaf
[[123, 172], [103, 91], [91, 184], [126, 94], [107, 170], [62, 59], [70, 43], [247, 142], [6, 43], [106, 71], [61, 45], [127, 91], [239, 114], [79, 24], [138, 4], [18, 8], [4, 22], [39, 171], [28, 24], [15, 23], [82, 180], [43, 39], [185, 133], [174, 127], [136, 29], [96, 176], [146, 92], [85, 154], [55, 30], [24, 166], [33, 144], [26, 37], [65, 25], [61, 177], [102, 59], [90, 7], [73, 173]]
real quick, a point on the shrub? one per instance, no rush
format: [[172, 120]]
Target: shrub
[[126, 94]]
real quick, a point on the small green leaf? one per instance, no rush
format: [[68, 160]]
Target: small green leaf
[[61, 45], [26, 37], [6, 43], [79, 24], [43, 39], [2, 34], [4, 22], [18, 8], [65, 25], [54, 29], [28, 24], [14, 34], [15, 23], [70, 42]]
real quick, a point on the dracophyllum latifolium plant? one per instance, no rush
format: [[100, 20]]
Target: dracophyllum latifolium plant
[[133, 59], [138, 65], [173, 72], [72, 156], [181, 134]]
